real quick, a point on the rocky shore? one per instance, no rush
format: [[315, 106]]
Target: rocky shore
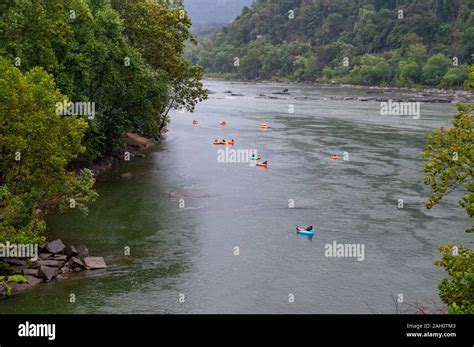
[[55, 261], [135, 145]]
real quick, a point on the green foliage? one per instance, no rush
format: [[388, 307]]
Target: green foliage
[[125, 57], [435, 69], [36, 145], [363, 31], [457, 291], [5, 286], [450, 160]]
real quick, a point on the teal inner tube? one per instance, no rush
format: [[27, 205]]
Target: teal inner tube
[[306, 232], [254, 158]]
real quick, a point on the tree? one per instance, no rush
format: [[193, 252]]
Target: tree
[[457, 291], [450, 160], [36, 146], [435, 69]]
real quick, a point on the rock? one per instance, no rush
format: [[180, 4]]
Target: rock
[[30, 272], [76, 262], [138, 141], [77, 269], [65, 269], [126, 175], [31, 282], [47, 272], [70, 251], [93, 263], [60, 257], [56, 246], [60, 277], [16, 270], [13, 261], [228, 92], [236, 94], [52, 263], [82, 252], [45, 256]]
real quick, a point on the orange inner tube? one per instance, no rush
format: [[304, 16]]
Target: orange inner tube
[[262, 165]]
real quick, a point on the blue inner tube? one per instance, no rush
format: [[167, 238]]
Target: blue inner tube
[[306, 232]]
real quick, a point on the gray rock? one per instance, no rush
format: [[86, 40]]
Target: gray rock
[[16, 270], [70, 251], [82, 252], [47, 272], [45, 256], [93, 263], [77, 262], [56, 246], [30, 272], [31, 282], [14, 261], [65, 269], [52, 263], [60, 257]]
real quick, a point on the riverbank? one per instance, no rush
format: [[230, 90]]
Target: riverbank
[[433, 95], [55, 260], [52, 261], [134, 146]]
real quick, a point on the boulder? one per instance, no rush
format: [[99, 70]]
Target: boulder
[[30, 272], [76, 262], [52, 263], [56, 246], [45, 256], [16, 270], [93, 263], [47, 272], [14, 261], [70, 251], [82, 252], [60, 257], [31, 282]]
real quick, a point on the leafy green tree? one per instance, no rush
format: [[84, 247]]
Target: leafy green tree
[[457, 291], [36, 147], [450, 160], [456, 76], [435, 69]]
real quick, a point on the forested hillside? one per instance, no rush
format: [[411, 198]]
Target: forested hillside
[[375, 42]]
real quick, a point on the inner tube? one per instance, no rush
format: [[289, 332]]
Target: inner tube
[[256, 158], [224, 143], [334, 157], [262, 165], [306, 232]]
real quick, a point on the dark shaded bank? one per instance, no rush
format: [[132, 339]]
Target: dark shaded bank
[[55, 261]]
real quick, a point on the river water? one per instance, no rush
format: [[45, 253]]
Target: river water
[[232, 247]]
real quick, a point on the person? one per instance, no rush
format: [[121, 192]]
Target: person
[[223, 123], [309, 228]]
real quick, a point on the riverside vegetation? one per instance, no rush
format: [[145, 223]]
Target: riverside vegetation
[[368, 42], [81, 51]]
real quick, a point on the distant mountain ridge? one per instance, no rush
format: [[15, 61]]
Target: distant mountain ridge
[[214, 11]]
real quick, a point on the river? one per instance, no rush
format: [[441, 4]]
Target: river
[[232, 247]]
